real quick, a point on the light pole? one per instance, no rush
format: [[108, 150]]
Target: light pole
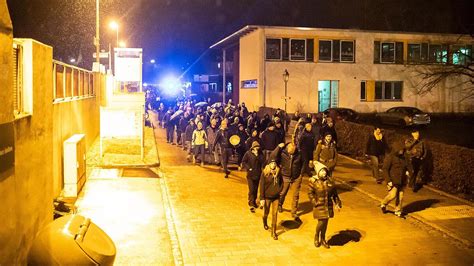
[[286, 77], [97, 40]]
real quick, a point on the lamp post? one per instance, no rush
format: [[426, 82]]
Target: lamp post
[[97, 40], [286, 77]]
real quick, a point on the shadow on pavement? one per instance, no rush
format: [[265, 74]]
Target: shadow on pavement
[[342, 188], [305, 207], [345, 236], [290, 224], [419, 205]]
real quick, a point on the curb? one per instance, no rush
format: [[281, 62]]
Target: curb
[[464, 242], [427, 186]]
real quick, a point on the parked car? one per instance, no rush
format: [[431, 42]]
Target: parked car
[[403, 116], [345, 114]]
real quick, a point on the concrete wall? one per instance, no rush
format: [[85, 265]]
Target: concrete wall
[[27, 198], [304, 76], [72, 117], [251, 67]]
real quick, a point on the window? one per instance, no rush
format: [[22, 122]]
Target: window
[[461, 55], [297, 50], [387, 52], [213, 87], [438, 54], [325, 50], [17, 79], [363, 92], [414, 53], [347, 51], [388, 90], [273, 49]]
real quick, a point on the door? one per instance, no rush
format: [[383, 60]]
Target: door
[[328, 94]]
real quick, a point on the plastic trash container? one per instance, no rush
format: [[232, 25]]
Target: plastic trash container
[[72, 240]]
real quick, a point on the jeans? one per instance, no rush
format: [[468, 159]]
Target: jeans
[[287, 183], [225, 155], [375, 162], [213, 153], [169, 134], [306, 157], [321, 228], [178, 137], [395, 193], [200, 149], [273, 203], [183, 140], [253, 188]]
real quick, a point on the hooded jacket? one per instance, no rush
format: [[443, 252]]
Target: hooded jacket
[[322, 193], [253, 164], [395, 167], [270, 185]]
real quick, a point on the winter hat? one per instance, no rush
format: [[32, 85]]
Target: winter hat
[[318, 166], [255, 144]]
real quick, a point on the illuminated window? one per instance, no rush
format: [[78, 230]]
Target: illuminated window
[[461, 55], [438, 54]]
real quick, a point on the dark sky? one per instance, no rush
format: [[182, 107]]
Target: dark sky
[[176, 32]]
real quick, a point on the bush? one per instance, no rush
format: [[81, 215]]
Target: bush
[[448, 167]]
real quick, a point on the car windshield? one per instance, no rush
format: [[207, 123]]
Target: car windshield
[[410, 111]]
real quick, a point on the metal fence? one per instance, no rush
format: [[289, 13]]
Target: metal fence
[[71, 82]]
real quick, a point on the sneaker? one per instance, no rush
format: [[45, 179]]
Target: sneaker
[[297, 219], [252, 209], [398, 214], [383, 208]]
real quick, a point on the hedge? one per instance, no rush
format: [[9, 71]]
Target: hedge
[[448, 167]]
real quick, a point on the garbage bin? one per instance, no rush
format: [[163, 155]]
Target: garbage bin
[[72, 240]]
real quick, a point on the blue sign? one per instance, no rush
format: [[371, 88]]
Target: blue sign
[[249, 84]]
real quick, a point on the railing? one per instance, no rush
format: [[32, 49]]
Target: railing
[[71, 82]]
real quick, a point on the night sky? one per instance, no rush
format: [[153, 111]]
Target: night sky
[[176, 32]]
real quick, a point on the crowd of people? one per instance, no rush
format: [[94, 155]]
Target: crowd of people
[[223, 134]]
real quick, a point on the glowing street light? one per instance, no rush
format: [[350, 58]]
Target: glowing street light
[[152, 61], [122, 44], [115, 26]]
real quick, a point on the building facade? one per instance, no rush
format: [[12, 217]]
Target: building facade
[[364, 70]]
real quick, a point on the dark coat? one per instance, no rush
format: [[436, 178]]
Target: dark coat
[[222, 138], [281, 134], [188, 133], [183, 123], [270, 186], [394, 169], [290, 164], [307, 143], [376, 147], [322, 194], [416, 148], [253, 164], [269, 140]]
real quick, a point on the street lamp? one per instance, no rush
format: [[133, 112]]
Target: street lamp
[[97, 40], [286, 77], [122, 44], [115, 26], [152, 61]]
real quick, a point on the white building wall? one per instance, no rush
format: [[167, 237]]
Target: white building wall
[[304, 76]]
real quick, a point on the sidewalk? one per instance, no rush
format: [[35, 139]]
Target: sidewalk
[[452, 217], [213, 225]]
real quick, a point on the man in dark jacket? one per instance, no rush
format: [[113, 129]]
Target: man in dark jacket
[[253, 161], [329, 128], [280, 131], [222, 139], [307, 144], [395, 170], [269, 139], [416, 154], [290, 163], [181, 129], [169, 125], [376, 148], [211, 132], [253, 137]]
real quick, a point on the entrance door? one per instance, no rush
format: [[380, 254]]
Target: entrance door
[[328, 95]]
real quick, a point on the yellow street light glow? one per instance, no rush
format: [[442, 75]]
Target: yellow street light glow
[[113, 25], [122, 44]]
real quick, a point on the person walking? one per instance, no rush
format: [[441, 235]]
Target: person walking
[[290, 162], [253, 137], [169, 125], [240, 148], [307, 144], [253, 162], [199, 142], [376, 148], [269, 138], [416, 154], [211, 132], [222, 139], [395, 169], [328, 127], [270, 187], [322, 193], [326, 153], [188, 137]]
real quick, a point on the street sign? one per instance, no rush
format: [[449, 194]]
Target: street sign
[[101, 55]]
